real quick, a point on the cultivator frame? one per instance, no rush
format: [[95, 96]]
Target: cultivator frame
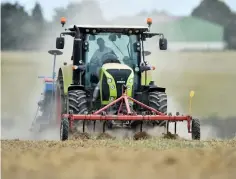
[[126, 114]]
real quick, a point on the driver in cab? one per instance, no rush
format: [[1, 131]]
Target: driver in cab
[[102, 50]]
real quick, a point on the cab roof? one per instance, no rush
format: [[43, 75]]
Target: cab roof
[[109, 28]]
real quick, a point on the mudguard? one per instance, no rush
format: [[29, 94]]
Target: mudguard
[[66, 72], [149, 78]]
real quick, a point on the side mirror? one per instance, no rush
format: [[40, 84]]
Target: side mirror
[[163, 44], [60, 42]]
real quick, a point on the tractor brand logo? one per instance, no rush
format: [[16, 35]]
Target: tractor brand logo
[[120, 82]]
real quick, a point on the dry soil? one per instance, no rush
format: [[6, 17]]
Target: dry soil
[[211, 75]]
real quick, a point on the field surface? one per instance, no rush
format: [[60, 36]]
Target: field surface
[[211, 75], [107, 159]]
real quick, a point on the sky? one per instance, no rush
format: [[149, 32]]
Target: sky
[[114, 8]]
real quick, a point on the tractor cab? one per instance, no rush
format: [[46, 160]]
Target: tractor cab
[[94, 44]]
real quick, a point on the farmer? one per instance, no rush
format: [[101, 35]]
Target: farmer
[[100, 55], [103, 49]]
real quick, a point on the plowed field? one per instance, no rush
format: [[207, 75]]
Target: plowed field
[[212, 77]]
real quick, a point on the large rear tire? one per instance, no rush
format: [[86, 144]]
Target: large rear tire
[[77, 104], [158, 101], [196, 131]]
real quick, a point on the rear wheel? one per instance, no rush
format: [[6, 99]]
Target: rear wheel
[[196, 132], [77, 103], [158, 101]]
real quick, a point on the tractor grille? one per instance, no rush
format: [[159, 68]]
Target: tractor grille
[[120, 76]]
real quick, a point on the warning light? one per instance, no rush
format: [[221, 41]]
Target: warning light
[[149, 21], [63, 21]]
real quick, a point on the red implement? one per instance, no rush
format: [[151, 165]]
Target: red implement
[[128, 114]]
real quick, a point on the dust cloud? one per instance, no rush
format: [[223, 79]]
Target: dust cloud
[[21, 89]]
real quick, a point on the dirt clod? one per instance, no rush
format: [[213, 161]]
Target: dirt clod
[[104, 136], [168, 135], [80, 135], [141, 136]]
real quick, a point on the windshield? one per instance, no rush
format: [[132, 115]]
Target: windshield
[[121, 46]]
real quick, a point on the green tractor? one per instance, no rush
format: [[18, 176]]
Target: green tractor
[[106, 62]]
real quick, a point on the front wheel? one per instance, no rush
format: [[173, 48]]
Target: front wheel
[[196, 132]]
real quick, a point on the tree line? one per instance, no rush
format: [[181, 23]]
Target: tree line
[[220, 13], [31, 31]]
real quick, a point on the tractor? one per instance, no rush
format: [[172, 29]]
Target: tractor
[[109, 82]]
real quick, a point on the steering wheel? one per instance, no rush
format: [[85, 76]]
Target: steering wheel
[[97, 63], [108, 56]]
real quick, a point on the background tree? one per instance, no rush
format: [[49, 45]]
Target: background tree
[[13, 32], [23, 31], [37, 26], [19, 30], [218, 12], [85, 12]]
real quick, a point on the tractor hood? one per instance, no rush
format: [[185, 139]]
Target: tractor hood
[[115, 66], [113, 76]]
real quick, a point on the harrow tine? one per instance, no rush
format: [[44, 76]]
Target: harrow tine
[[175, 126], [103, 127], [167, 127], [141, 126], [83, 125], [94, 124]]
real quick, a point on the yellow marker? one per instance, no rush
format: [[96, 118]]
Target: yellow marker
[[191, 95]]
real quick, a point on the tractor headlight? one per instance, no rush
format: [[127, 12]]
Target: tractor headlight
[[109, 80], [128, 87], [112, 87], [112, 98], [131, 80]]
